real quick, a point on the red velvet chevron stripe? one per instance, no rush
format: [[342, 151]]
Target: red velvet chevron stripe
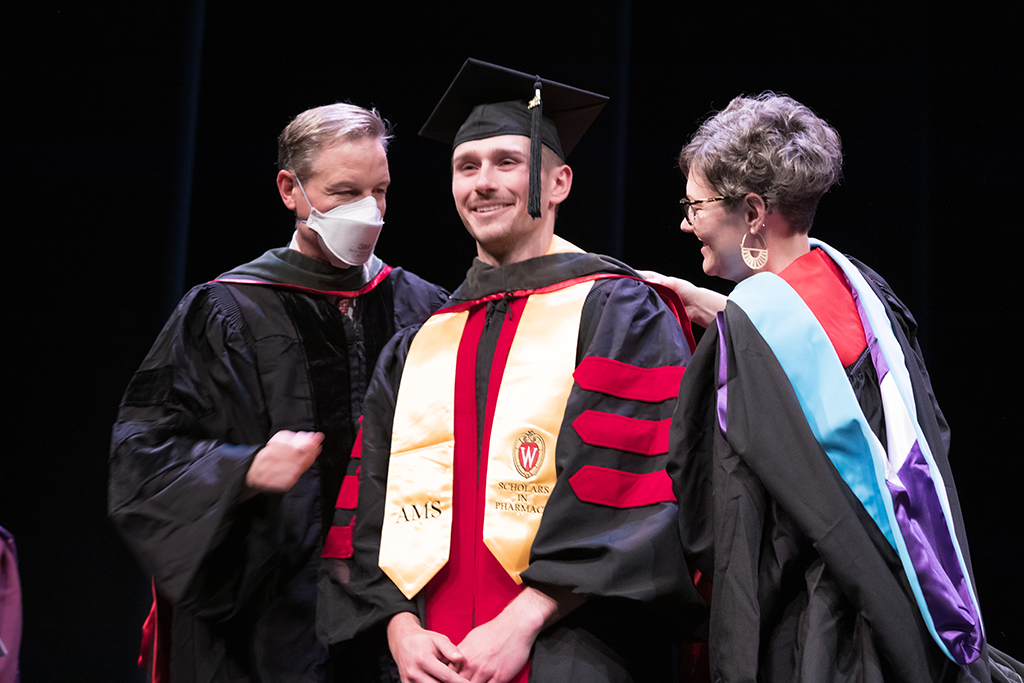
[[339, 542], [646, 437], [348, 496], [357, 445], [623, 380], [619, 489]]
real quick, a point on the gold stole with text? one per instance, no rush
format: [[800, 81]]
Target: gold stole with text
[[535, 386]]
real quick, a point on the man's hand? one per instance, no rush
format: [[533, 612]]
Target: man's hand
[[702, 305], [423, 656], [279, 464], [497, 650]]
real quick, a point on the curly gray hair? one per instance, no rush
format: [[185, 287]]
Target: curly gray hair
[[770, 145], [313, 130]]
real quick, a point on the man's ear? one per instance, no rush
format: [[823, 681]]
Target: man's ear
[[561, 183], [286, 186]]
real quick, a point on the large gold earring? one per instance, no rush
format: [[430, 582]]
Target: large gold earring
[[754, 257]]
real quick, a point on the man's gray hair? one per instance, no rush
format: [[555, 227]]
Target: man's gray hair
[[302, 140], [770, 145]]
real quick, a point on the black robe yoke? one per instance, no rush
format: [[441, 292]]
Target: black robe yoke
[[627, 560], [805, 585], [235, 364]]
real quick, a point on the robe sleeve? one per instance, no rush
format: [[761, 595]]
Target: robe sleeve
[[723, 521], [354, 594], [609, 528], [177, 470], [691, 442]]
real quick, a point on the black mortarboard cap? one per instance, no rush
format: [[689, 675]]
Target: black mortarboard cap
[[487, 100]]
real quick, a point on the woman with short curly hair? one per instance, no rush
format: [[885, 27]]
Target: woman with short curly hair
[[809, 454]]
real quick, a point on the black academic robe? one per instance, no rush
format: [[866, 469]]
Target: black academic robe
[[805, 585], [627, 560], [236, 363]]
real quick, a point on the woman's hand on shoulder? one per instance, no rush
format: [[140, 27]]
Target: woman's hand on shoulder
[[702, 305]]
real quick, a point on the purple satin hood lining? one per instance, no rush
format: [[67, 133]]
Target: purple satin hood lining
[[943, 584], [723, 372], [922, 524]]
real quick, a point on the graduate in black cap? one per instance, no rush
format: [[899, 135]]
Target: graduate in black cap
[[515, 521]]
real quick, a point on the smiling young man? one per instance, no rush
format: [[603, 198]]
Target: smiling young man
[[514, 517], [490, 183], [215, 481]]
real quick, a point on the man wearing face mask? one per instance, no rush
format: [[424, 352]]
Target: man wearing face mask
[[234, 436]]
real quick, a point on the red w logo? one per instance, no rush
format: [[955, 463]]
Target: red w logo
[[529, 452]]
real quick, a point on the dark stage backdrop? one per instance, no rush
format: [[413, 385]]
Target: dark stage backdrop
[[140, 160]]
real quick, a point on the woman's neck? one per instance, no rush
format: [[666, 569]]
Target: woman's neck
[[785, 245]]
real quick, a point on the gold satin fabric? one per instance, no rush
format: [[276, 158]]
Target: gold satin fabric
[[416, 533], [417, 527], [531, 404]]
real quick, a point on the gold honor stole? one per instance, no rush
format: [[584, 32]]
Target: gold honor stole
[[535, 385]]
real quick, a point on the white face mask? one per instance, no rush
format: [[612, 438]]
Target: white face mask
[[347, 233]]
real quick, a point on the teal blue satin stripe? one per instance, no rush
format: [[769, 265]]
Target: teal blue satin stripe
[[822, 388]]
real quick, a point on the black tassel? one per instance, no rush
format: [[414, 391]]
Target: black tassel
[[536, 112]]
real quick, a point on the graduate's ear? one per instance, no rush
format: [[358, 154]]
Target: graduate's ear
[[560, 180], [287, 186]]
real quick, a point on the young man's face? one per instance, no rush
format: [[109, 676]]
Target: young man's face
[[490, 184]]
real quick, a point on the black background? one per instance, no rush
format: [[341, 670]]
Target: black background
[[139, 160]]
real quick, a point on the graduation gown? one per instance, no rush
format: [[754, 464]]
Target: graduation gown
[[262, 348], [623, 554], [806, 585]]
